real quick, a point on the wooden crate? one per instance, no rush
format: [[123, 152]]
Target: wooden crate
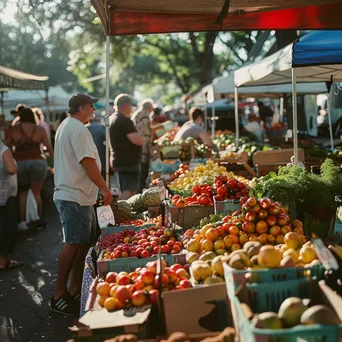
[[266, 161]]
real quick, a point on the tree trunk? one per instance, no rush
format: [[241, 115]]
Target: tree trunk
[[207, 61]]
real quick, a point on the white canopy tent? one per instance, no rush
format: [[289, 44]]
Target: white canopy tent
[[225, 85], [312, 58]]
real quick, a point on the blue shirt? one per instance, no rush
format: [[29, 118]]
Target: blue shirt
[[98, 131]]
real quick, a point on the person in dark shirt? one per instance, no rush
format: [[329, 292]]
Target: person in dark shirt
[[265, 114], [125, 146], [98, 131]]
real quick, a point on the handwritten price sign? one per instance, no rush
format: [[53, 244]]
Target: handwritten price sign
[[105, 216]]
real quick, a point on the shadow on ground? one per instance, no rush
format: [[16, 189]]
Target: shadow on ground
[[25, 292]]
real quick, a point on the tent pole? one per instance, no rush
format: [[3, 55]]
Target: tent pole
[[206, 118], [107, 106], [2, 102], [213, 121], [281, 109], [236, 98], [295, 123], [329, 118]]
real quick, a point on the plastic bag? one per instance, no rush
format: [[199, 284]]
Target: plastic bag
[[115, 185], [31, 208]]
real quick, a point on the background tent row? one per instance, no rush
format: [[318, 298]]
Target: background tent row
[[314, 57]]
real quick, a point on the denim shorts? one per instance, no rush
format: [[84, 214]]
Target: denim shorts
[[31, 171], [129, 177], [78, 222]]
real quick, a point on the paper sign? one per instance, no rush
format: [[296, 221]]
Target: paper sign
[[162, 190], [324, 255], [105, 216]]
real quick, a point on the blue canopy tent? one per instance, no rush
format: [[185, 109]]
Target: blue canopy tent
[[315, 57]]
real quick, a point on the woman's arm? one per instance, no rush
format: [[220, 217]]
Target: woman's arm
[[9, 163], [46, 142]]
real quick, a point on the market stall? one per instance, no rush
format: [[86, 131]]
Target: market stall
[[315, 57], [189, 273]]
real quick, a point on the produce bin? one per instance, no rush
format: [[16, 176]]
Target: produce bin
[[226, 207], [300, 333], [131, 263], [191, 216], [160, 166], [235, 278]]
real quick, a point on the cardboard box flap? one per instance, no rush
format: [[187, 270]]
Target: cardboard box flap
[[102, 319]]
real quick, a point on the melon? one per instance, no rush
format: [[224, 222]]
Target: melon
[[136, 202], [151, 197], [124, 211]]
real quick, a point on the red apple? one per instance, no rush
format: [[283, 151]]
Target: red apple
[[171, 274], [138, 298], [271, 221], [123, 279], [248, 227], [243, 200], [111, 277], [262, 214], [265, 203], [123, 294], [176, 267], [165, 249], [147, 277], [251, 202], [185, 283], [154, 297], [251, 216], [161, 280], [274, 209], [283, 220]]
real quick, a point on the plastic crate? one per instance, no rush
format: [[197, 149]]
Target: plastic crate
[[116, 229], [235, 278], [131, 263], [226, 207], [160, 166], [314, 333], [191, 216]]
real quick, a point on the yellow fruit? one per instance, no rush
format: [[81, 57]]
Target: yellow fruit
[[112, 292], [103, 288], [293, 240], [219, 244], [110, 303], [102, 300], [292, 253], [308, 254], [193, 245], [207, 245], [269, 257], [205, 228]]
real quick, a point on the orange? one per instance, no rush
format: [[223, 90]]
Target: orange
[[103, 288], [110, 303], [113, 289], [234, 230], [234, 238], [102, 300], [262, 239]]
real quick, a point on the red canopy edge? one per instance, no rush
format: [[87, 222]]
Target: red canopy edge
[[305, 18]]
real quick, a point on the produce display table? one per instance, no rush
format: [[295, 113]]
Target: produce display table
[[242, 159]]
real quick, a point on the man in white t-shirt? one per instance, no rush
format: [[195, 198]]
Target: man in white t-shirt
[[253, 126], [77, 180]]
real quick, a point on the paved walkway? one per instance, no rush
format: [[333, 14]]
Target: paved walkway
[[25, 292]]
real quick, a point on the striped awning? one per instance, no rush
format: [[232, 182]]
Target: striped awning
[[15, 79]]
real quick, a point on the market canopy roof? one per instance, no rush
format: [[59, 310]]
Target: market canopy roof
[[225, 85], [317, 57], [14, 79], [122, 17]]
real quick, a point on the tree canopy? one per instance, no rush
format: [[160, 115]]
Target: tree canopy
[[64, 40]]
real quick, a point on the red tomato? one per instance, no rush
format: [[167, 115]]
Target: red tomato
[[232, 183], [204, 200], [196, 189], [144, 254], [218, 184], [241, 185], [181, 203], [222, 191], [204, 191]]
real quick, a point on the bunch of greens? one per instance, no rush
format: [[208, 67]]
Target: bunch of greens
[[313, 194]]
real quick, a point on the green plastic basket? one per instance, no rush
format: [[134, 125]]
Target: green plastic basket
[[131, 263], [226, 207], [313, 333], [235, 278], [116, 229]]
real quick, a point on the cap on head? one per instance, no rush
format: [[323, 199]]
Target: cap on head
[[19, 107], [121, 100], [79, 100]]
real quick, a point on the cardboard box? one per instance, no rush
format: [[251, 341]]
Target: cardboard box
[[197, 310]]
